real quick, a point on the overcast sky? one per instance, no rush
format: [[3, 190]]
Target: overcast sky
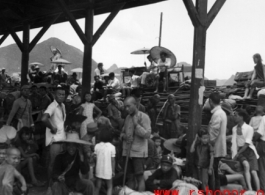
[[235, 35]]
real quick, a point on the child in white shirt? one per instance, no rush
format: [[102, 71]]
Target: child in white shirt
[[255, 120]]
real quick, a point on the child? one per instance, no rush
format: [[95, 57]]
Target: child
[[8, 173], [163, 177], [255, 120], [105, 161], [157, 141], [3, 148], [28, 148], [87, 110], [203, 157]]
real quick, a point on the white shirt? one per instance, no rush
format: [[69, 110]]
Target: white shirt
[[247, 132], [104, 152], [115, 83], [97, 72], [166, 63], [57, 117], [134, 81], [261, 129]]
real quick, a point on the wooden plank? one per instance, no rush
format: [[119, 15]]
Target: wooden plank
[[3, 38], [106, 23], [192, 12], [25, 54], [73, 22], [214, 11], [195, 110], [87, 60], [41, 33]]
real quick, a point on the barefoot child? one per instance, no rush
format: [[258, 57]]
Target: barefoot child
[[8, 173], [203, 157], [105, 161]]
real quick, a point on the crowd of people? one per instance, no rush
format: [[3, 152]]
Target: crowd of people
[[88, 149]]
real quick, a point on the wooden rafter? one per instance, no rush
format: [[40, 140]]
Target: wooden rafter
[[3, 38], [106, 23], [214, 11], [194, 16], [73, 22]]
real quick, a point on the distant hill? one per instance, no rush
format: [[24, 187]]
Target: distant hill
[[230, 81], [10, 56]]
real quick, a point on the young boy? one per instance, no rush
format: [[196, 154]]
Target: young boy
[[255, 120], [203, 157], [163, 177], [243, 149], [3, 148], [8, 173], [157, 140]]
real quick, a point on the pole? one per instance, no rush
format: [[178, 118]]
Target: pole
[[25, 54], [87, 60], [160, 31]]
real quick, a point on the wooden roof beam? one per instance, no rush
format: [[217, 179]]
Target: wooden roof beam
[[214, 11], [3, 38], [41, 33], [194, 16], [106, 23], [73, 22]]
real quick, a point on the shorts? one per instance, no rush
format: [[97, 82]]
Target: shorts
[[223, 180], [135, 166], [162, 75], [255, 83], [249, 156]]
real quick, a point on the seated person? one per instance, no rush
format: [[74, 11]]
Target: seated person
[[98, 92], [115, 108], [131, 84], [60, 76], [163, 177], [8, 174], [28, 149], [67, 166], [152, 69], [99, 70], [161, 63], [32, 73], [157, 139], [257, 79], [113, 85]]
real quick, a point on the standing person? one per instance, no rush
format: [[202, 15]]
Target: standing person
[[135, 135], [171, 119], [217, 131], [98, 92], [21, 113], [54, 118], [99, 70], [255, 120], [115, 108], [257, 79], [3, 77], [87, 109], [60, 76], [137, 94], [243, 149], [105, 161]]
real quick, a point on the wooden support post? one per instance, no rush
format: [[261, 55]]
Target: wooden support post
[[73, 22], [25, 54], [200, 20], [106, 23], [41, 33], [3, 38], [87, 60]]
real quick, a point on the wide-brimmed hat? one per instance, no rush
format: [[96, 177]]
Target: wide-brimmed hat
[[227, 107], [7, 133], [73, 137], [156, 51], [173, 145], [71, 118], [92, 127]]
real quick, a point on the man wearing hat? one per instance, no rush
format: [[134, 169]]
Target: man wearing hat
[[67, 165], [60, 76], [21, 113], [163, 177], [54, 118]]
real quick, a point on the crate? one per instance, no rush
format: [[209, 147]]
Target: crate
[[210, 83]]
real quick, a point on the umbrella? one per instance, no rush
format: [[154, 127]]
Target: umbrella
[[61, 61], [77, 70], [141, 51], [36, 63], [155, 54]]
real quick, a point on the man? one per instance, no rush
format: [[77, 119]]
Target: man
[[3, 148], [98, 92], [132, 84], [162, 63], [243, 149], [113, 85], [135, 135], [137, 94], [54, 118], [115, 109], [67, 166], [21, 113], [45, 99], [38, 76], [32, 73], [3, 77], [257, 79], [34, 97], [99, 70], [60, 76], [217, 131], [259, 136], [8, 174], [151, 69]]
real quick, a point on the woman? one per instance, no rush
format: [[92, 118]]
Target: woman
[[171, 119]]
